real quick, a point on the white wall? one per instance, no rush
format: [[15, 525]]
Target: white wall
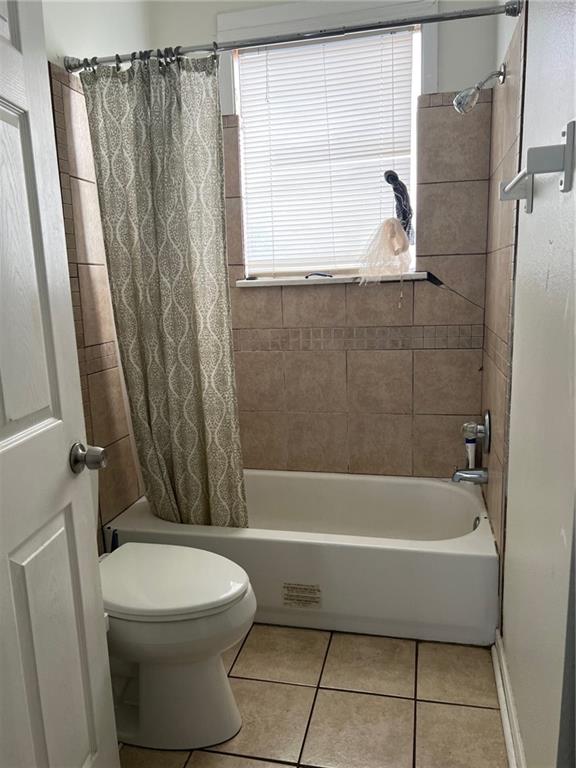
[[466, 49], [190, 23], [86, 28], [537, 629], [505, 26]]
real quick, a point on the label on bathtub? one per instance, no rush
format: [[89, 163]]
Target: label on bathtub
[[302, 595]]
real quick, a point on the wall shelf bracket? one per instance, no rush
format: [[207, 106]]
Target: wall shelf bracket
[[557, 158]]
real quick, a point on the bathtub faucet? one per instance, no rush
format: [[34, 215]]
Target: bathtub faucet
[[477, 476]]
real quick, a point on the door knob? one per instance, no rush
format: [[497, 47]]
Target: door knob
[[91, 458]]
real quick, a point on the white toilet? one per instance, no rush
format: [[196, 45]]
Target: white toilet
[[173, 611]]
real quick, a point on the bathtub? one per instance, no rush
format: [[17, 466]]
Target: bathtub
[[405, 557]]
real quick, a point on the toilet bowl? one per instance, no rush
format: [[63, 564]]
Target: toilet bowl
[[172, 612]]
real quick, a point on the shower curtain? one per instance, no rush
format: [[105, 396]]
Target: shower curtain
[[157, 141]]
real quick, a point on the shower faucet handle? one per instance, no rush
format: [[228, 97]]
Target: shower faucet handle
[[473, 431]]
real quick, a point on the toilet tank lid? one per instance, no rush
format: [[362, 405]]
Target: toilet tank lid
[[165, 580]]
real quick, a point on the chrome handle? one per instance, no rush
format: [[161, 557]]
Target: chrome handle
[[471, 430], [480, 432], [89, 458]]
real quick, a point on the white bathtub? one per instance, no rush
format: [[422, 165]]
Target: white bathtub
[[405, 557]]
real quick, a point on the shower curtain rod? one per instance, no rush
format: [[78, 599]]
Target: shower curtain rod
[[510, 8]]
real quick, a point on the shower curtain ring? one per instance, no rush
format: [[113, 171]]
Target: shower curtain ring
[[145, 56], [93, 63], [215, 50], [118, 62]]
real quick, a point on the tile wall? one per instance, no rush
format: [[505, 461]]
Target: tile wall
[[502, 220], [106, 410], [373, 379], [366, 379]]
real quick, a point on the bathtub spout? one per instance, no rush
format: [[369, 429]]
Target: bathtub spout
[[476, 476]]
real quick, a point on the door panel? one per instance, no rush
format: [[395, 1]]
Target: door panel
[[49, 619], [56, 703]]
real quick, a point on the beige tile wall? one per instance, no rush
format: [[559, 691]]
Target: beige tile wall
[[502, 219], [375, 379], [105, 405]]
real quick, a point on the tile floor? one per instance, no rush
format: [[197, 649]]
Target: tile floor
[[333, 700]]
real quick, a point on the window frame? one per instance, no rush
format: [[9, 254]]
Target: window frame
[[307, 17], [310, 16]]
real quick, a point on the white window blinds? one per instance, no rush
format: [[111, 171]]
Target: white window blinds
[[321, 123]]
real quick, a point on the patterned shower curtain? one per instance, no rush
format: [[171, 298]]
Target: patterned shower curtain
[[157, 140]]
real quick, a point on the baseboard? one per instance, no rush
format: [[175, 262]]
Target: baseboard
[[512, 737]]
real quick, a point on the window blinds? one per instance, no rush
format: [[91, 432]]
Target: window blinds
[[320, 124]]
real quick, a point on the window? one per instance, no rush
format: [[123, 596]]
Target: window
[[321, 123]]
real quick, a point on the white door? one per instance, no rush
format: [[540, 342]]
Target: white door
[[540, 517], [55, 694]]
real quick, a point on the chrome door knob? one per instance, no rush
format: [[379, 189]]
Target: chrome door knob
[[89, 458]]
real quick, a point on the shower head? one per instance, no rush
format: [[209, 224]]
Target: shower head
[[467, 99]]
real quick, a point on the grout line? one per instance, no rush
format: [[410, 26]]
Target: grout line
[[453, 181], [319, 686], [314, 699], [455, 704], [461, 295], [415, 705], [362, 692], [273, 682], [367, 634], [413, 414], [242, 644], [348, 404], [213, 751], [118, 439]]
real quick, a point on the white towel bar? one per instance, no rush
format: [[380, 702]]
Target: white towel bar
[[557, 158]]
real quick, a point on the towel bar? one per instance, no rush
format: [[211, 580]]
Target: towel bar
[[557, 158]]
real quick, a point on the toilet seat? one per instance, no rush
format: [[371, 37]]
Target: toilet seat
[[162, 582]]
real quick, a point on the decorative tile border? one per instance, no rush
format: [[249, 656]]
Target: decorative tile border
[[372, 337], [498, 351]]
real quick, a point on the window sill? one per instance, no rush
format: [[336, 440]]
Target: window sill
[[267, 282]]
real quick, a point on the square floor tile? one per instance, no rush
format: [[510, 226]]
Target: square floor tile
[[459, 674], [449, 736], [284, 654], [357, 730], [212, 760], [229, 656], [372, 664], [274, 719], [136, 757]]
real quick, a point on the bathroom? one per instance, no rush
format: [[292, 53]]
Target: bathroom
[[332, 517]]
